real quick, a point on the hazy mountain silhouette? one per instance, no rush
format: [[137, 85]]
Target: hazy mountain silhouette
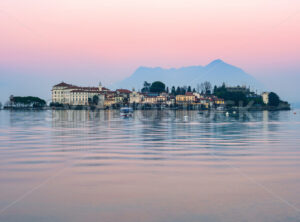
[[215, 72]]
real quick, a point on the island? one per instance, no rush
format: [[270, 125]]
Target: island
[[157, 95]]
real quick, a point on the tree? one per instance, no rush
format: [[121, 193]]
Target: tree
[[198, 88], [178, 91], [157, 87], [215, 89], [189, 89], [26, 101], [146, 87], [202, 88], [207, 87], [90, 101], [167, 90], [173, 91], [194, 90], [95, 100], [273, 99], [183, 90]]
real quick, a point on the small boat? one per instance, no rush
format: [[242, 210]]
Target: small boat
[[220, 108], [126, 112]]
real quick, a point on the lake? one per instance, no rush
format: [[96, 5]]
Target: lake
[[159, 166]]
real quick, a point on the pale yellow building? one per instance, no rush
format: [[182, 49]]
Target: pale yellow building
[[187, 98], [135, 97], [265, 97], [154, 99], [68, 94]]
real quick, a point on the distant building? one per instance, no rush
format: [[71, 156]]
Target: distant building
[[122, 96], [187, 98], [135, 97], [265, 97], [154, 99], [68, 94], [198, 95]]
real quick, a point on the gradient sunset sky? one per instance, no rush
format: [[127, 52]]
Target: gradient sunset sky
[[86, 41]]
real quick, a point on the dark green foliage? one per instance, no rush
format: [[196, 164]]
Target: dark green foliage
[[90, 101], [257, 100], [157, 87], [189, 89], [215, 89], [28, 101], [273, 99], [173, 91], [182, 90], [52, 104], [178, 90], [95, 100], [146, 87], [236, 98]]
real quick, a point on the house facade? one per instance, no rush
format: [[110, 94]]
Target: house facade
[[68, 94], [187, 98]]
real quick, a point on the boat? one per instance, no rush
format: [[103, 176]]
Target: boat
[[220, 108], [126, 112]]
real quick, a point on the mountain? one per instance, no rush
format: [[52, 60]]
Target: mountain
[[215, 72]]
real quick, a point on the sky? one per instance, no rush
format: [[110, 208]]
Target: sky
[[86, 41]]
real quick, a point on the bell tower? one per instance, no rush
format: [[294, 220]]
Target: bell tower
[[100, 86]]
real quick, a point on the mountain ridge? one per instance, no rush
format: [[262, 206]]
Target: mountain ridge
[[215, 72]]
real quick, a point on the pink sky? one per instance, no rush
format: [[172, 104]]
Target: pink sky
[[118, 36]]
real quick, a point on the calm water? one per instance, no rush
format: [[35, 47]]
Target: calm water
[[162, 166]]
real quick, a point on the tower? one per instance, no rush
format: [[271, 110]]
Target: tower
[[100, 86]]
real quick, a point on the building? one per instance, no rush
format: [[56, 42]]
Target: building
[[265, 97], [135, 97], [68, 94], [205, 102], [187, 98], [154, 99], [216, 101], [122, 96], [219, 101]]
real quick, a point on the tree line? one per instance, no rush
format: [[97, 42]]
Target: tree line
[[26, 101], [236, 98], [159, 87]]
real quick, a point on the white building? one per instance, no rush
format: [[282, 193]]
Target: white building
[[135, 97], [68, 94], [265, 97]]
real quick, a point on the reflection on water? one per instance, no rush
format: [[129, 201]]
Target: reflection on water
[[157, 166]]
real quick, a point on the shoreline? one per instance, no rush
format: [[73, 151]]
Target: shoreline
[[228, 109]]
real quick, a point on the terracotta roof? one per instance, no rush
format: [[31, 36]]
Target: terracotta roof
[[189, 94], [62, 84], [109, 92], [123, 91]]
